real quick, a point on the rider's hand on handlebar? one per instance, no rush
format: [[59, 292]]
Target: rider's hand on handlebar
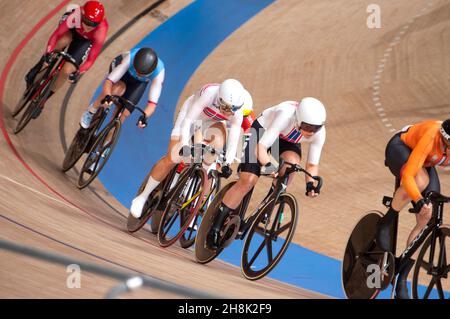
[[311, 190], [48, 57], [142, 123], [107, 100], [226, 171], [74, 77], [185, 151], [424, 207], [271, 169]]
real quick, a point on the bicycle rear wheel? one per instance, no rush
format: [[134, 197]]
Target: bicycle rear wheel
[[188, 237], [360, 253], [269, 237], [203, 253], [26, 117], [433, 267], [81, 141], [25, 99], [99, 154], [182, 207], [153, 206]]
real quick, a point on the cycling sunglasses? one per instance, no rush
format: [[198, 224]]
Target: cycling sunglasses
[[89, 23], [227, 107], [311, 128]]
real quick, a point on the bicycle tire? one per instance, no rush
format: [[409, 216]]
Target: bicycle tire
[[203, 253], [442, 240], [116, 125], [80, 142], [188, 237], [246, 265], [199, 178]]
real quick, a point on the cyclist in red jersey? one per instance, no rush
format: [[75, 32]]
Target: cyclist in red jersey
[[83, 32]]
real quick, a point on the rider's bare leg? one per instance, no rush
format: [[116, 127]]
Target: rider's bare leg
[[68, 68], [214, 136], [237, 192], [118, 89], [400, 201], [159, 171]]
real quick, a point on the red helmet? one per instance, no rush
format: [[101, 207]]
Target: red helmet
[[93, 13]]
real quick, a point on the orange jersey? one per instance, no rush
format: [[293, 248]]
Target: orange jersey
[[424, 139]]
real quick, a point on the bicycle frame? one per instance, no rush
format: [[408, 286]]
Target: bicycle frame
[[431, 227], [280, 187]]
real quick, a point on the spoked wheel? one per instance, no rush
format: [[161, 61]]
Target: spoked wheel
[[81, 141], [26, 117], [182, 207], [99, 155], [37, 102], [26, 99], [203, 253], [188, 237], [432, 271], [269, 237], [362, 259]]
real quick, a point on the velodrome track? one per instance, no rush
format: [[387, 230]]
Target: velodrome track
[[288, 50]]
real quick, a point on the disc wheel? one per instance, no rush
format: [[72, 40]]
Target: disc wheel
[[360, 254], [203, 253]]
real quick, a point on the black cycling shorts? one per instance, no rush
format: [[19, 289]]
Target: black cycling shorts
[[250, 164], [397, 154], [79, 48], [135, 89]]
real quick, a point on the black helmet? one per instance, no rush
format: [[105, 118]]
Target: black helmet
[[145, 61], [445, 130]]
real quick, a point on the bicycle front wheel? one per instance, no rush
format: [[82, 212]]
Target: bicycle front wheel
[[188, 237], [269, 237], [182, 207], [431, 273], [99, 154]]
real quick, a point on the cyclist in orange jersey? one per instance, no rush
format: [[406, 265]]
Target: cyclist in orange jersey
[[411, 156]]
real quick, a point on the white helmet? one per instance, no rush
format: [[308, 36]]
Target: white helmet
[[231, 95], [311, 111]]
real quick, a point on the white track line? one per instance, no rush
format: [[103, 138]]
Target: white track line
[[376, 85], [35, 191]]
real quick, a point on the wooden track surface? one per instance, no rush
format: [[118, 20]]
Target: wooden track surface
[[291, 49], [35, 216]]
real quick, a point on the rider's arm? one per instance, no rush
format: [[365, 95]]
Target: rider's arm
[[314, 153], [154, 93], [97, 45], [271, 134], [196, 109], [57, 34], [120, 70], [107, 87], [233, 137], [415, 164]]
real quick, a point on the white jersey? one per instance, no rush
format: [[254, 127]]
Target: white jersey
[[279, 122], [120, 70], [203, 106]]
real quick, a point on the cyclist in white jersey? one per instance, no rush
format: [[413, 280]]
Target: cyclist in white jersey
[[278, 130], [210, 109]]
